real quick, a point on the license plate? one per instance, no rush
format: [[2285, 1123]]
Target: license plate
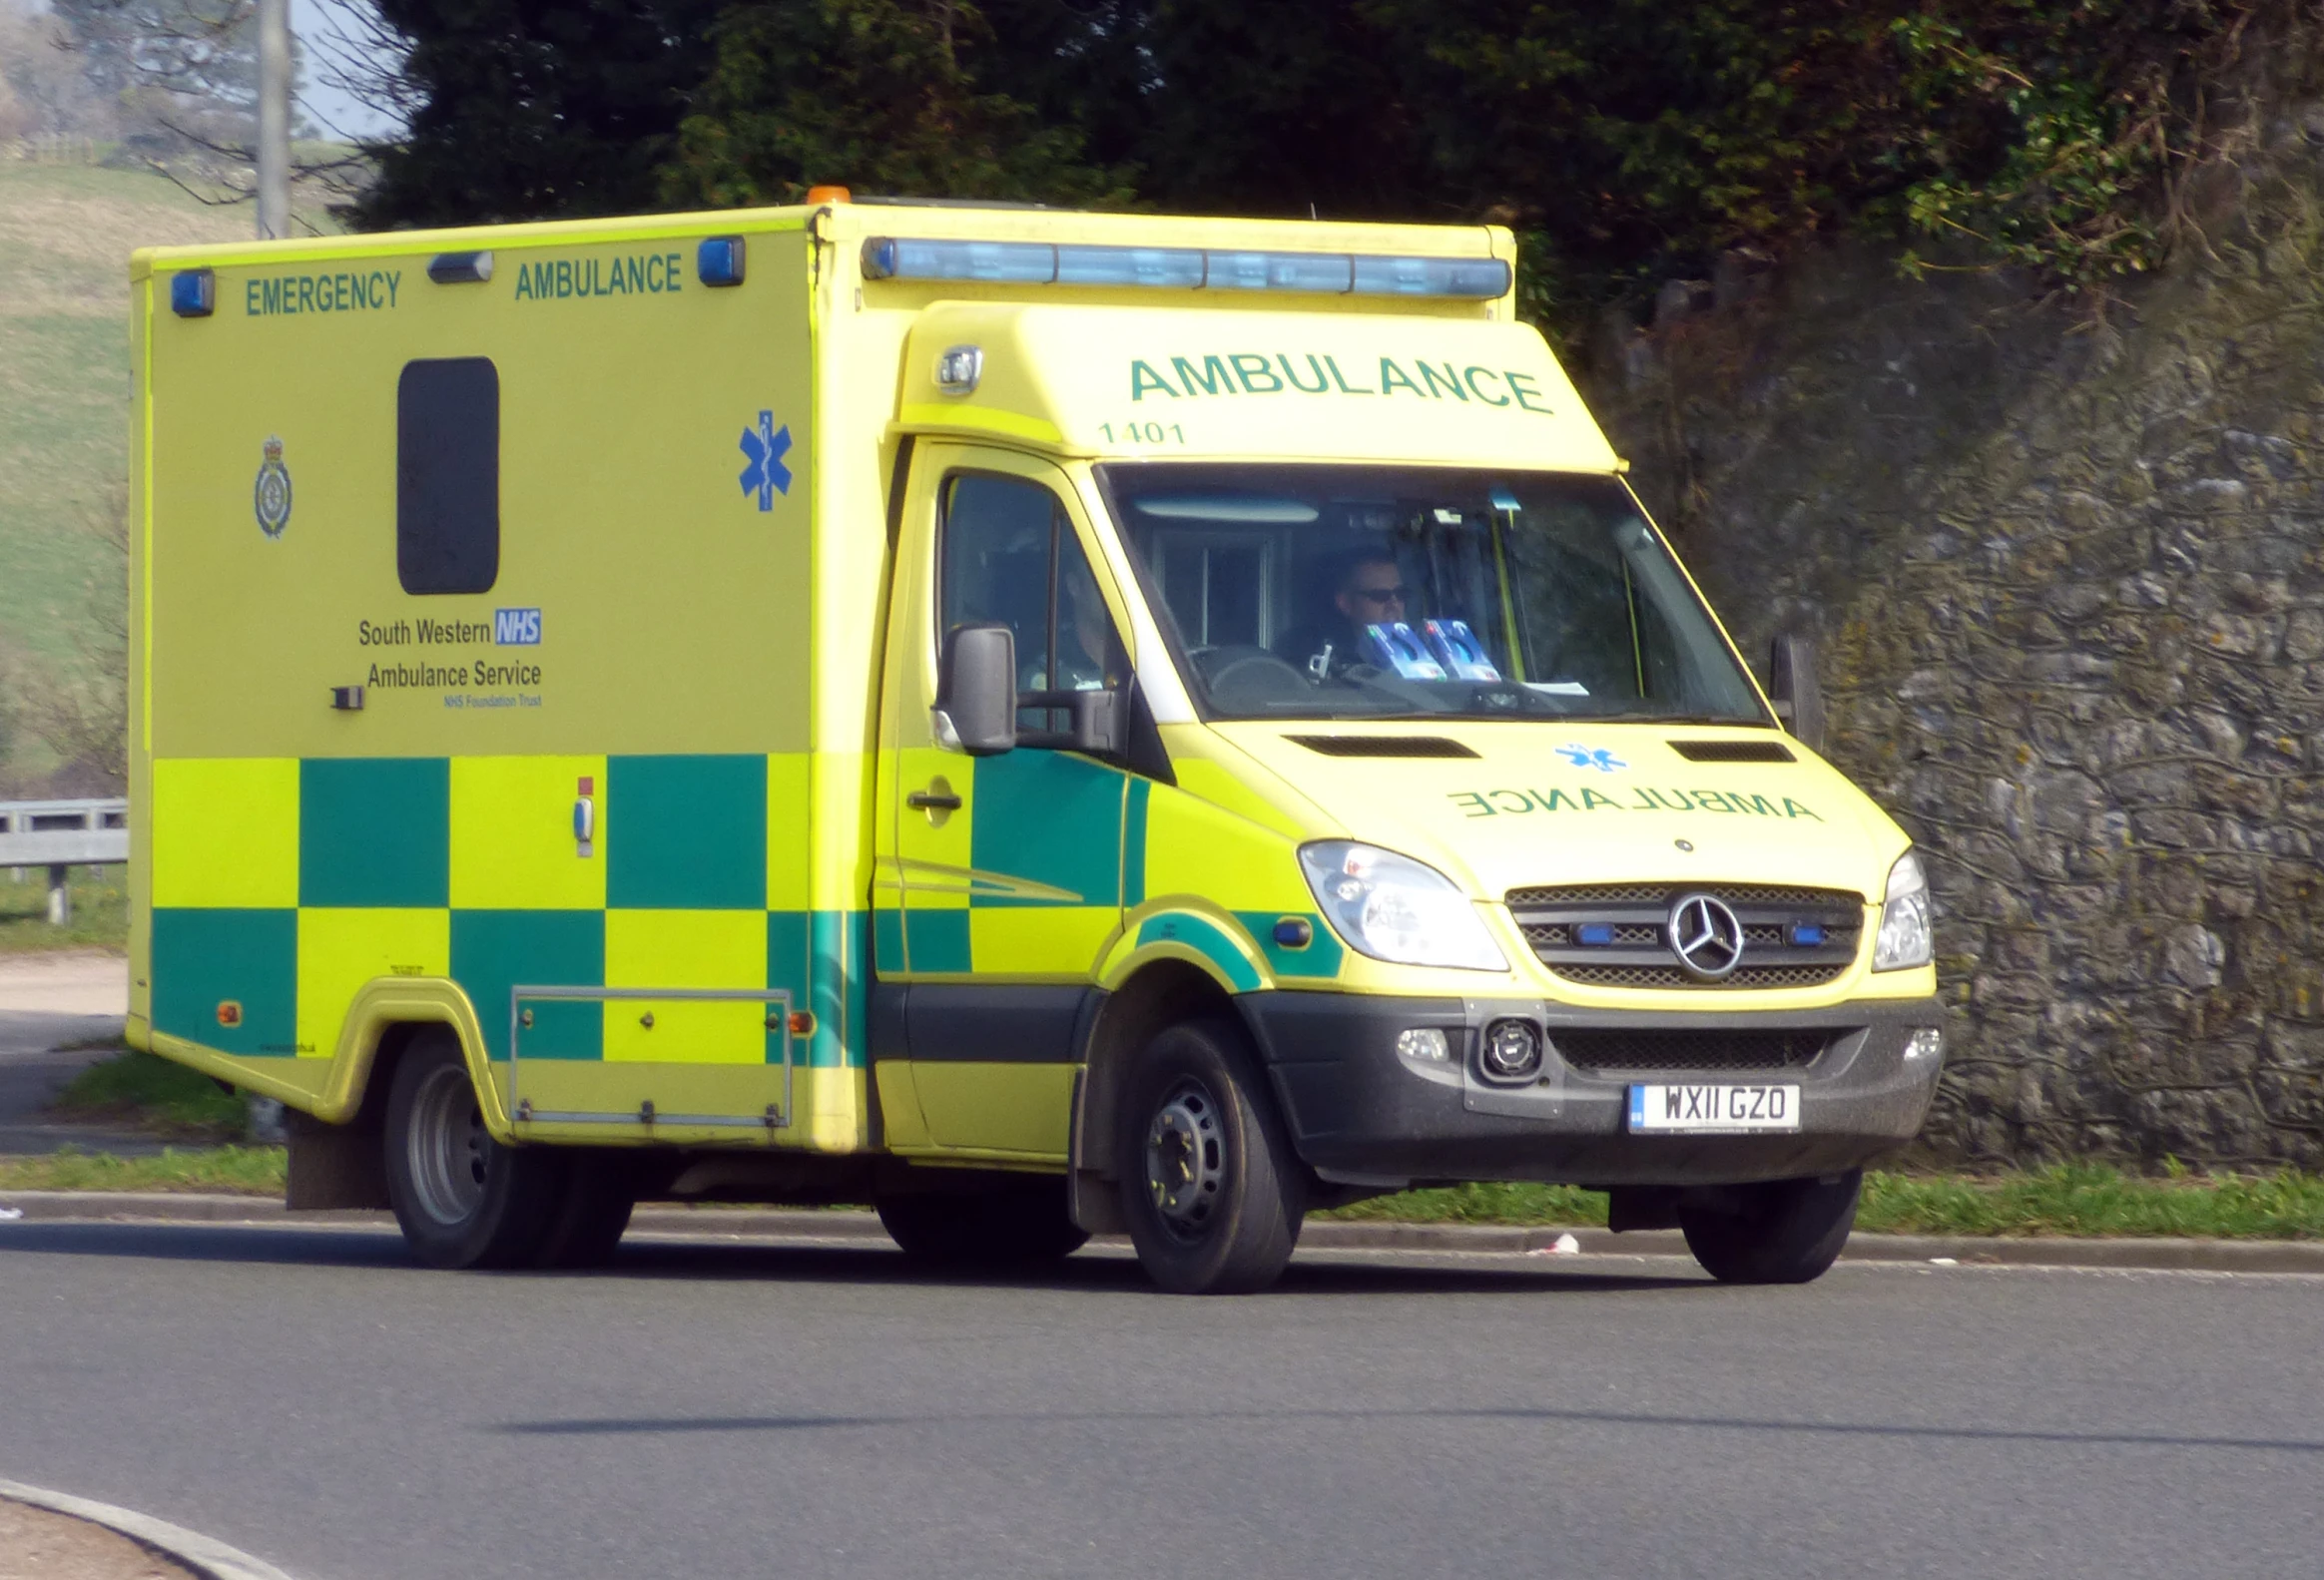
[[1713, 1110]]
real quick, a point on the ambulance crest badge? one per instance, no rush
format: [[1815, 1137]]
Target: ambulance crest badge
[[272, 497]]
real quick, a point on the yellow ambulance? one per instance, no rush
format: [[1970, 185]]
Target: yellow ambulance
[[1048, 722]]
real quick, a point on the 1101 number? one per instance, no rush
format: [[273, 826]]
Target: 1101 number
[[1142, 433]]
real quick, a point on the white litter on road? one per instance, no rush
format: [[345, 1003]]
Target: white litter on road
[[9, 1214], [1945, 1261], [1562, 1245]]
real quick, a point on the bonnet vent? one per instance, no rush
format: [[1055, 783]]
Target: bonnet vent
[[1733, 751], [1382, 745]]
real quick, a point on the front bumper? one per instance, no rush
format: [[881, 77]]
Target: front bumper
[[1361, 1114]]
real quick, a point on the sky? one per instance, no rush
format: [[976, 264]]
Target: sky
[[333, 110]]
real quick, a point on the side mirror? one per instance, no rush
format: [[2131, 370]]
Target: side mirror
[[977, 691], [1791, 681]]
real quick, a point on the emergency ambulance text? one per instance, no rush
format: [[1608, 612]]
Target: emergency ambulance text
[[1256, 373], [1495, 803], [369, 291]]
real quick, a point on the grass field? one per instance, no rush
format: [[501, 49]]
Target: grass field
[[66, 232]]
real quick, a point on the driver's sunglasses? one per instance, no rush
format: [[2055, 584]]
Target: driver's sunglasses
[[1381, 595]]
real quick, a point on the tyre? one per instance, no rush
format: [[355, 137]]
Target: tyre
[[1017, 1225], [591, 1216], [463, 1200], [1213, 1194], [1782, 1232]]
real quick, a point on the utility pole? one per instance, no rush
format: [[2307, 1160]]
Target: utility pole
[[274, 119]]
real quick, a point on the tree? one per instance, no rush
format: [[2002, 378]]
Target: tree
[[42, 85], [889, 96], [535, 109], [183, 74]]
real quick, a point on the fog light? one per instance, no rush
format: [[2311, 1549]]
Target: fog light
[[1425, 1044], [1512, 1049], [1927, 1043]]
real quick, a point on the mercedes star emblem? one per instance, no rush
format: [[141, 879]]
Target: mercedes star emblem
[[1706, 936]]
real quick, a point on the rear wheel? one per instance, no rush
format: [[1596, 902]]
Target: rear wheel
[[1780, 1232], [463, 1200], [1212, 1191], [1013, 1225]]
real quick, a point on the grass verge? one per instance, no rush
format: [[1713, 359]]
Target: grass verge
[[233, 1171], [2071, 1200], [154, 1093]]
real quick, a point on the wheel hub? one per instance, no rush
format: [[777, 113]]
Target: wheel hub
[[449, 1152], [1186, 1160]]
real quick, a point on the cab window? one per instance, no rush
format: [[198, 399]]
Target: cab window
[[1008, 556]]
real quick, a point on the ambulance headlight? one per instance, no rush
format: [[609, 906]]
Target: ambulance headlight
[[1392, 908], [1905, 936]]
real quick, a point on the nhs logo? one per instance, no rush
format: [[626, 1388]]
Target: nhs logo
[[516, 628]]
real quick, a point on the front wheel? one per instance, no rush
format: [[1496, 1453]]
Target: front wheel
[[463, 1200], [1780, 1232], [1212, 1190]]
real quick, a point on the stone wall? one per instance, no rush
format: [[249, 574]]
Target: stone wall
[[2067, 571]]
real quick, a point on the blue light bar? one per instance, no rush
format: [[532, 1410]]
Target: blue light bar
[[719, 261], [1130, 265], [193, 294], [1185, 269]]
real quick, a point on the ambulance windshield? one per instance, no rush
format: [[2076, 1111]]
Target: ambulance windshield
[[1336, 591]]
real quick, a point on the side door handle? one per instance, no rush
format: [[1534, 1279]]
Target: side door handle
[[932, 800]]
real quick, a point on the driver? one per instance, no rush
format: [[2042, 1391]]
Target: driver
[[1370, 591]]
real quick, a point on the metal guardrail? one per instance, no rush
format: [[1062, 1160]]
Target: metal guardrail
[[59, 834], [63, 833]]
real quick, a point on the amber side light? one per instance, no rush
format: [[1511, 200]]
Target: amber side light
[[229, 1013]]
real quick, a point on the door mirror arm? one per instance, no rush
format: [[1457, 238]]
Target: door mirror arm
[[1791, 685], [1097, 722], [976, 709]]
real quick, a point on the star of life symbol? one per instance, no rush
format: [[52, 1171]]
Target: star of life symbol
[[270, 499], [1586, 758], [764, 446]]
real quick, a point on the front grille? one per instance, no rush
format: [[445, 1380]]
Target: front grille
[[1626, 1052], [1746, 976], [1638, 954], [1664, 895]]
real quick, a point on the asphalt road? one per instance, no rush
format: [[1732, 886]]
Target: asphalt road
[[726, 1410], [39, 1052]]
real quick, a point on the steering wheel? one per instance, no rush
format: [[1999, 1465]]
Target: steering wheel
[[1253, 671]]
